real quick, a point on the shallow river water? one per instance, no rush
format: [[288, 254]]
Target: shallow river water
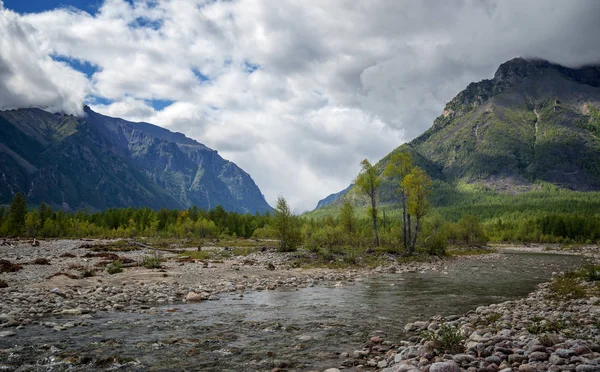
[[303, 329]]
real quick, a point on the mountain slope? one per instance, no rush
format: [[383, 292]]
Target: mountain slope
[[100, 162], [534, 122]]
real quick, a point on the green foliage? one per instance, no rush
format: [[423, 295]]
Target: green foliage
[[447, 337], [287, 227], [348, 220], [152, 262], [16, 215], [368, 182], [540, 326], [567, 287], [114, 267], [592, 272]]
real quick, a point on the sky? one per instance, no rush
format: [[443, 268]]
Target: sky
[[295, 92]]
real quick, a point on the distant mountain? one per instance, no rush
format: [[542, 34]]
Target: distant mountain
[[100, 162], [331, 198], [534, 122]]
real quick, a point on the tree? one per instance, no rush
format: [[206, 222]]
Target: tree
[[347, 219], [368, 183], [399, 167], [286, 226], [16, 215], [417, 186]]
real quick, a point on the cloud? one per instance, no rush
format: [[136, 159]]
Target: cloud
[[31, 78], [296, 94]]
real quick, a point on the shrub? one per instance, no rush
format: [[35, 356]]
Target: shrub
[[114, 267], [448, 337], [592, 272], [152, 262], [545, 326], [87, 273], [566, 287]]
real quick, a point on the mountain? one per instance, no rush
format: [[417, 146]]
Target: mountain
[[100, 162], [331, 198], [535, 122]]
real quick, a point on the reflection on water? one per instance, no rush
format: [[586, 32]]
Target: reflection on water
[[298, 329]]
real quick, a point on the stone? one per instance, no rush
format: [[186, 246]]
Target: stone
[[528, 368], [71, 312], [463, 358], [538, 356], [517, 358], [7, 334], [556, 360], [587, 368], [376, 339], [444, 367], [331, 370], [194, 297], [564, 353]]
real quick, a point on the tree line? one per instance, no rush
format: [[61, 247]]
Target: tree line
[[414, 222]]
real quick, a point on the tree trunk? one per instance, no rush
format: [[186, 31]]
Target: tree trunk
[[374, 215], [408, 230], [414, 240], [404, 227]]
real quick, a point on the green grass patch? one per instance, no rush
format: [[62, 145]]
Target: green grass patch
[[152, 262], [198, 255], [114, 267], [567, 287], [448, 338]]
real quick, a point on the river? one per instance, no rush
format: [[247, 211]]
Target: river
[[304, 329]]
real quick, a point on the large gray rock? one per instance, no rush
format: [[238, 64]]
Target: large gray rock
[[444, 367]]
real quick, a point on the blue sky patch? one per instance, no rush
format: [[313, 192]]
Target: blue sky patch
[[95, 100], [250, 67], [36, 6], [141, 22], [159, 104], [203, 78], [82, 66]]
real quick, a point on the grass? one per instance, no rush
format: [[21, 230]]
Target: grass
[[198, 255], [448, 338], [114, 267], [567, 287], [116, 246], [152, 262], [87, 273], [545, 326]]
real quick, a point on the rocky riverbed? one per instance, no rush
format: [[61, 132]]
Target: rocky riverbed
[[69, 277], [307, 330], [542, 332]]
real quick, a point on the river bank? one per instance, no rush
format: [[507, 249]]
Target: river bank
[[554, 328], [314, 320], [70, 277]]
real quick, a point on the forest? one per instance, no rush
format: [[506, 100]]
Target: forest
[[417, 223]]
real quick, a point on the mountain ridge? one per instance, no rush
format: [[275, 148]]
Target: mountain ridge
[[534, 121], [97, 162]]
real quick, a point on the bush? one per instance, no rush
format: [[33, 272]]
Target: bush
[[592, 272], [566, 287], [448, 338], [87, 273], [152, 262], [114, 267]]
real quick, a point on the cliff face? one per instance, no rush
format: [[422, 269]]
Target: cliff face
[[101, 162]]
